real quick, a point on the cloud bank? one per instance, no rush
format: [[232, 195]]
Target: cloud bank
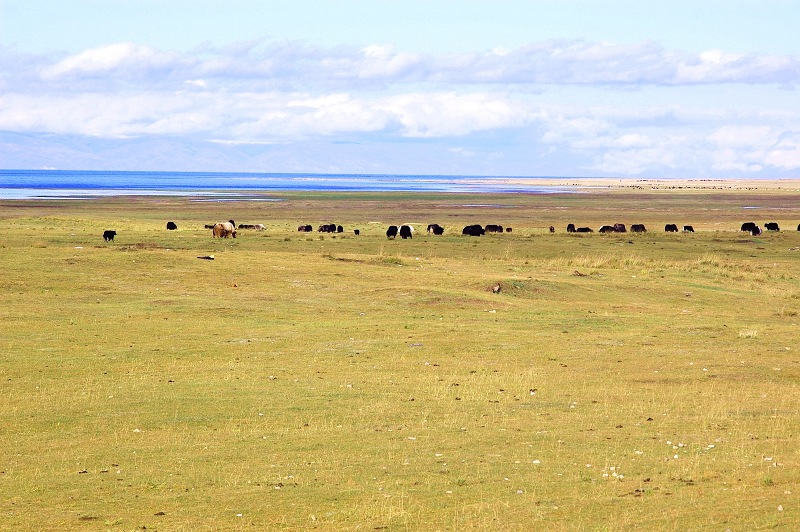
[[564, 107]]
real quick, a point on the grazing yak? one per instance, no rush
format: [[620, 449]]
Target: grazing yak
[[570, 228], [436, 229], [748, 226], [584, 230], [391, 232], [109, 235], [473, 230], [755, 231], [171, 226], [771, 226], [607, 229], [492, 228], [305, 229], [671, 228], [688, 229], [508, 229], [552, 229], [209, 226], [405, 231], [619, 228], [224, 230], [638, 228], [356, 232], [327, 228], [257, 227]]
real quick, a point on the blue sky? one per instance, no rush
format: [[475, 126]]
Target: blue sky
[[566, 88]]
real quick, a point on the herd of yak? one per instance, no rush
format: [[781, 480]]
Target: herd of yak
[[229, 229]]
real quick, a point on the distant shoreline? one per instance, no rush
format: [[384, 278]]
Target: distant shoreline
[[660, 184]]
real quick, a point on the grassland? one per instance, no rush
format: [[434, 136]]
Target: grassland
[[333, 382]]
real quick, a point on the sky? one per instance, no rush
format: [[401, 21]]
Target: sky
[[644, 89]]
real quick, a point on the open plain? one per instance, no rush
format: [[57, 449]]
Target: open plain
[[516, 381]]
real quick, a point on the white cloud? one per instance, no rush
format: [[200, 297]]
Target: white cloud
[[622, 141], [382, 62], [333, 114], [728, 160], [786, 152], [744, 136], [596, 106], [573, 125], [112, 58], [460, 150], [450, 114], [255, 64]]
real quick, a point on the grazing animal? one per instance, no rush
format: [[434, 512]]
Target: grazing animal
[[436, 229], [405, 231], [356, 232], [209, 226], [391, 232], [671, 228], [473, 230], [508, 229], [638, 228], [584, 230], [607, 229], [798, 227], [755, 231], [108, 235], [339, 229], [552, 229], [688, 229], [492, 228], [171, 226], [570, 228], [748, 226], [619, 228], [305, 229], [223, 230], [257, 227], [771, 226]]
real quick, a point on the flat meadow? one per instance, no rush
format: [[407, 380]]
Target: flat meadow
[[516, 381]]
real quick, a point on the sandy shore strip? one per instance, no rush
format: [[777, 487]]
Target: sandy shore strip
[[658, 184]]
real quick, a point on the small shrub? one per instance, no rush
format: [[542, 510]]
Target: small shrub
[[389, 261]]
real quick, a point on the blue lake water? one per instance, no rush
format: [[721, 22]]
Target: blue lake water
[[73, 184]]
